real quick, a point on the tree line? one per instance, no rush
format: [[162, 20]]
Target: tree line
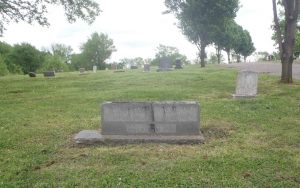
[[206, 22], [24, 58]]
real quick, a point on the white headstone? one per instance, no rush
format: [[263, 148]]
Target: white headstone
[[94, 69], [246, 84]]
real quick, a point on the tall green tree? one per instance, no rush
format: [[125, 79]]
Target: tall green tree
[[96, 50], [25, 56], [200, 19], [244, 45], [63, 51], [34, 11], [286, 37], [226, 37]]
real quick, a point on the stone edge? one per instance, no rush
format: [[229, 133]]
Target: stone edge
[[93, 137]]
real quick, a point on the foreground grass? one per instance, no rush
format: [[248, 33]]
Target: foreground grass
[[251, 143]]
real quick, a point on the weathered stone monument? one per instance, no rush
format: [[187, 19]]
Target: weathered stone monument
[[146, 67], [94, 69], [178, 64], [246, 84], [49, 74], [134, 67], [165, 64], [114, 66], [32, 74], [138, 122], [82, 71]]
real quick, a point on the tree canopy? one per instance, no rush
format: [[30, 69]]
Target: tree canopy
[[199, 19], [31, 11], [96, 50]]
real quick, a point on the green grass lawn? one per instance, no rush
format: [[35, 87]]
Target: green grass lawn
[[249, 143]]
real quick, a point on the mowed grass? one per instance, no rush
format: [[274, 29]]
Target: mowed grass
[[249, 143]]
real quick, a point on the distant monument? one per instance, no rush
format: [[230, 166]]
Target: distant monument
[[114, 66], [178, 64], [246, 84], [165, 64], [32, 74], [49, 74], [133, 67], [94, 69], [146, 67], [82, 71]]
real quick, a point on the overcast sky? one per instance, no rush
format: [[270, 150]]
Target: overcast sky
[[137, 28]]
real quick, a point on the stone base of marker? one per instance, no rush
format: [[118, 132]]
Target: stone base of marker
[[89, 137], [143, 122], [234, 96]]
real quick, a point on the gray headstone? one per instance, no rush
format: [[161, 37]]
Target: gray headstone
[[32, 74], [165, 64], [178, 64], [147, 68], [246, 84], [114, 67], [139, 122], [133, 67], [94, 69], [49, 74], [159, 118], [82, 70]]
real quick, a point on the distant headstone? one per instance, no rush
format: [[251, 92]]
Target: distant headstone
[[165, 64], [136, 122], [32, 74], [82, 70], [49, 74], [178, 64], [246, 84], [114, 67], [133, 67], [94, 69], [146, 67]]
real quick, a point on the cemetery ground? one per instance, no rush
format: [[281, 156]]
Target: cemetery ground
[[249, 143]]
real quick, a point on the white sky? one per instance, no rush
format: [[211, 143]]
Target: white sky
[[137, 28]]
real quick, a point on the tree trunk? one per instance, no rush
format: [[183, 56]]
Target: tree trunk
[[287, 44], [202, 54], [228, 55], [218, 51]]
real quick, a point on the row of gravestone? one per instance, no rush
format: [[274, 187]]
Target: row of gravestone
[[165, 64]]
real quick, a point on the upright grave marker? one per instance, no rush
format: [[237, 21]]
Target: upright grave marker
[[49, 74], [94, 69], [82, 71], [178, 64], [136, 122], [165, 64], [146, 67], [246, 84]]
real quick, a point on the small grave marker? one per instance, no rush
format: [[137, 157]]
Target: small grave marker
[[32, 74], [146, 67], [246, 84], [49, 74], [165, 64]]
